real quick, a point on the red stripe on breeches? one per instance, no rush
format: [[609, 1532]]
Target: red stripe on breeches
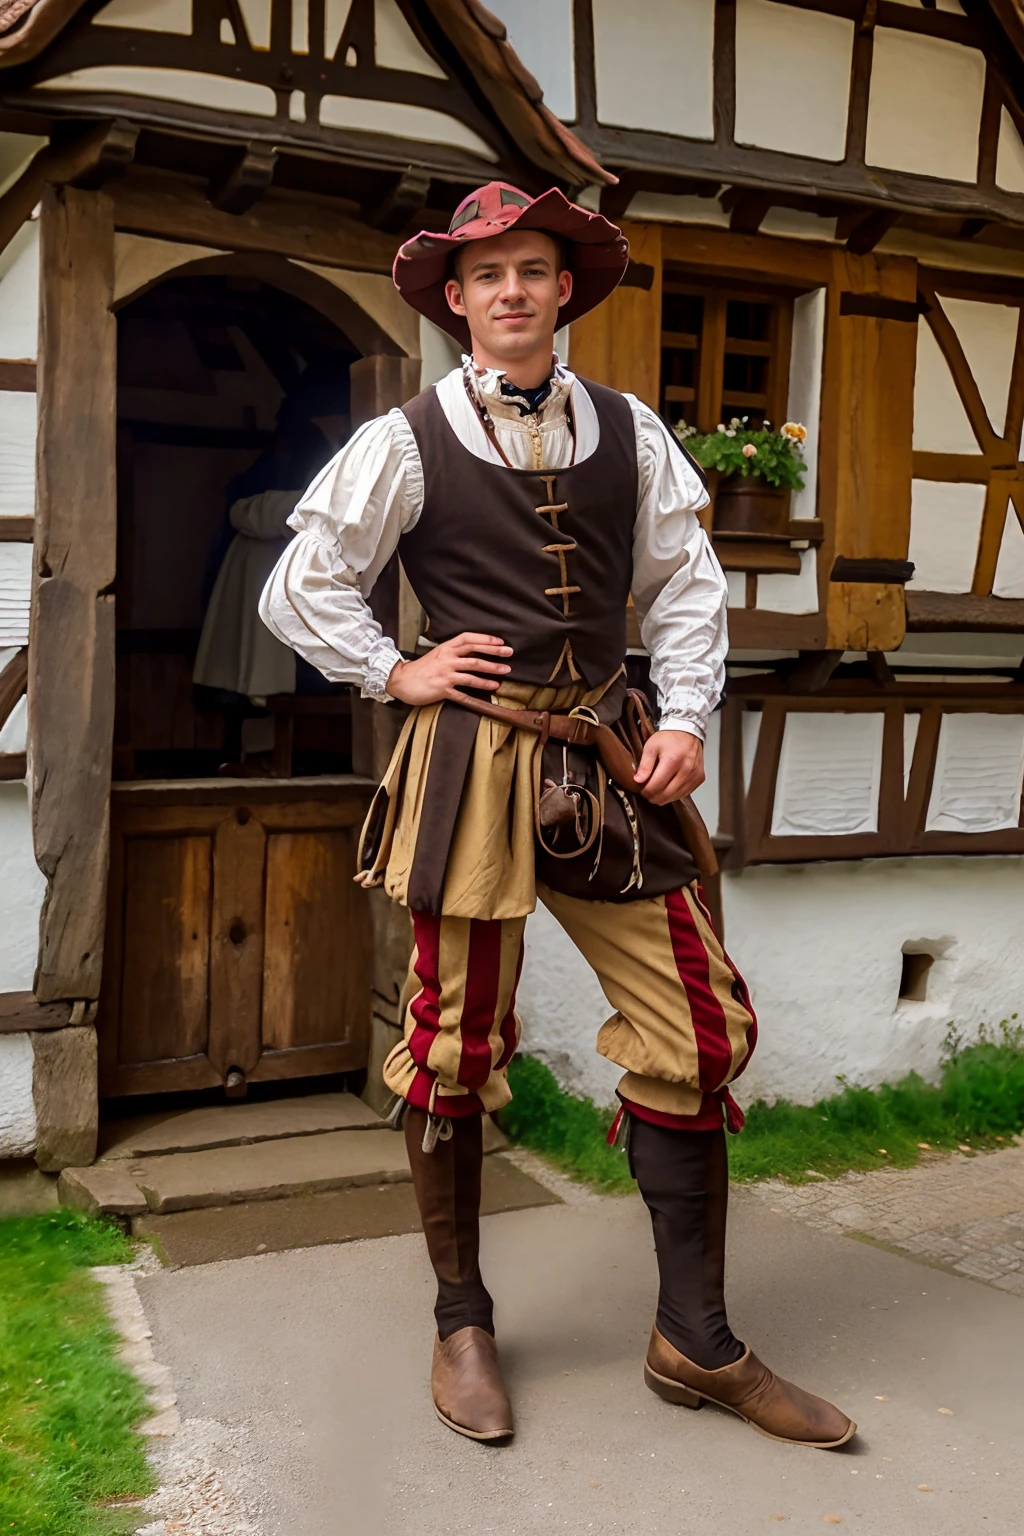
[[714, 1051]]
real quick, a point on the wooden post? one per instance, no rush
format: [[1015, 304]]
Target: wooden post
[[619, 343], [71, 654]]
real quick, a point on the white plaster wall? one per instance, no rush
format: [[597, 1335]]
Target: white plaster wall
[[15, 593], [792, 79], [541, 32], [940, 421], [404, 120], [821, 947], [17, 1110], [988, 335], [1009, 579], [654, 65], [1009, 155], [147, 15], [217, 92], [945, 521], [21, 891], [16, 150], [924, 110], [19, 294]]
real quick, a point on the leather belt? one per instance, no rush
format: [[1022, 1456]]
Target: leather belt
[[618, 762]]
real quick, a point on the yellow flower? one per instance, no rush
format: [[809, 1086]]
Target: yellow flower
[[795, 432]]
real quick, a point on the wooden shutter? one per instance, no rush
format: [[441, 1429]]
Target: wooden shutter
[[867, 425], [619, 343]]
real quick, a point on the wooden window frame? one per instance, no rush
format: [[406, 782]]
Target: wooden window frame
[[716, 293], [745, 835]]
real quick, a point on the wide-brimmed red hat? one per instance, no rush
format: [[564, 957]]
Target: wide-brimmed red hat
[[597, 252]]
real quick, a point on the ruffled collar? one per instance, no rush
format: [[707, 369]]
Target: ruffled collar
[[493, 387]]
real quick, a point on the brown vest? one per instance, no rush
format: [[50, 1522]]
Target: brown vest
[[544, 560]]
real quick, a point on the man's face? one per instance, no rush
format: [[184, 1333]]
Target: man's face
[[510, 290]]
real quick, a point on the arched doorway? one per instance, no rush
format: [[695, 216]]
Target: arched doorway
[[237, 948]]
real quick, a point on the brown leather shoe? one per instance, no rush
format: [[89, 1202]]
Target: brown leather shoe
[[465, 1382], [775, 1407]]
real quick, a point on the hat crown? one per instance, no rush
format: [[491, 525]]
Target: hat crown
[[498, 203]]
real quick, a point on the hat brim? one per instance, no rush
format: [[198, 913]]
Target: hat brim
[[598, 255]]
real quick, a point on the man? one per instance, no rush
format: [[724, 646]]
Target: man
[[527, 505]]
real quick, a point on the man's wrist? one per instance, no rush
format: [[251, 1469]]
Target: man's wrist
[[393, 675]]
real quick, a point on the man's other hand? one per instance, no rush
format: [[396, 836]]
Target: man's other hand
[[465, 662], [672, 766]]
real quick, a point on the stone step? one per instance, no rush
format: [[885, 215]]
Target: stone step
[[309, 1221], [265, 1170], [232, 1125]]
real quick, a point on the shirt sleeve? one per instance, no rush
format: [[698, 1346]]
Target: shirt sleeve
[[347, 526], [679, 590]]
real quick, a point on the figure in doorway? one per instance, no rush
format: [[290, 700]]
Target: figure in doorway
[[526, 504]]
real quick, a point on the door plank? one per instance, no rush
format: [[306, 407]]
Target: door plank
[[166, 946], [236, 956], [316, 987]]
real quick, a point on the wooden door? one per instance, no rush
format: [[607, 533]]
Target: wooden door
[[236, 938]]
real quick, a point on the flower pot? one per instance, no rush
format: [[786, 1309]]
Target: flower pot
[[746, 506]]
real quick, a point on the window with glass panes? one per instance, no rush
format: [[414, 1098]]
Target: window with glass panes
[[724, 352]]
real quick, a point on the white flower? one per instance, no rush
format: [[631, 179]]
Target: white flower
[[749, 451], [720, 427], [731, 432]]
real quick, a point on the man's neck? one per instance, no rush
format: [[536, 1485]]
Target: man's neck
[[525, 372]]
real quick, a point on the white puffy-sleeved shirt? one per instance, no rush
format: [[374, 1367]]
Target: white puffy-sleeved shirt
[[351, 518]]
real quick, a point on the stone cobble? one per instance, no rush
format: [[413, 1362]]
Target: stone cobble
[[964, 1211]]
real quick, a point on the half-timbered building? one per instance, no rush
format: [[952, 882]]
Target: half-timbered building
[[200, 201]]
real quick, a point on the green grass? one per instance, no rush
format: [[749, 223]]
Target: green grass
[[67, 1407], [979, 1102]]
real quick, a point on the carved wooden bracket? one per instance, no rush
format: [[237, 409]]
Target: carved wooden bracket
[[246, 181], [406, 198], [113, 152]]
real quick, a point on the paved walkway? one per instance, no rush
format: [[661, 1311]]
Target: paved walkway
[[302, 1384], [963, 1212]]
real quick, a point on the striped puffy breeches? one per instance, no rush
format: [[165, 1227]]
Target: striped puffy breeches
[[682, 1029]]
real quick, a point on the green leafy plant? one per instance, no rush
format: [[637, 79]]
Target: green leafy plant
[[978, 1103], [738, 449]]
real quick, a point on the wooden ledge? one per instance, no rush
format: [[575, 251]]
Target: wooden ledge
[[962, 610]]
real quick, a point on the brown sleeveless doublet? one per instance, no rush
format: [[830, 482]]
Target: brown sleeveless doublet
[[543, 559]]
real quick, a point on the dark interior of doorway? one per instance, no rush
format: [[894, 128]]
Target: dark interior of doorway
[[226, 385]]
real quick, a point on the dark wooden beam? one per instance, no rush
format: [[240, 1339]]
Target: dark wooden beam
[[13, 682], [114, 154], [809, 672], [725, 72], [406, 198], [18, 375], [71, 661], [20, 1010], [988, 137], [247, 179], [749, 211], [586, 69], [13, 767], [17, 530], [287, 224], [886, 572], [868, 229], [930, 611]]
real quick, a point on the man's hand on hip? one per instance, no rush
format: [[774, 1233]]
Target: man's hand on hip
[[672, 766], [465, 662]]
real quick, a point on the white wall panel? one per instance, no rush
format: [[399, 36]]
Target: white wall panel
[[398, 47], [16, 151], [791, 594], [945, 521], [17, 1106], [706, 797], [988, 335], [196, 89], [677, 208], [15, 593], [924, 112], [1009, 581], [940, 421], [829, 775], [792, 79], [804, 399], [17, 455], [654, 65], [21, 892], [541, 32], [19, 294], [1009, 155], [979, 768], [147, 15], [399, 117]]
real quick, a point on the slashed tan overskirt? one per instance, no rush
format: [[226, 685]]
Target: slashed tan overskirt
[[490, 869]]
